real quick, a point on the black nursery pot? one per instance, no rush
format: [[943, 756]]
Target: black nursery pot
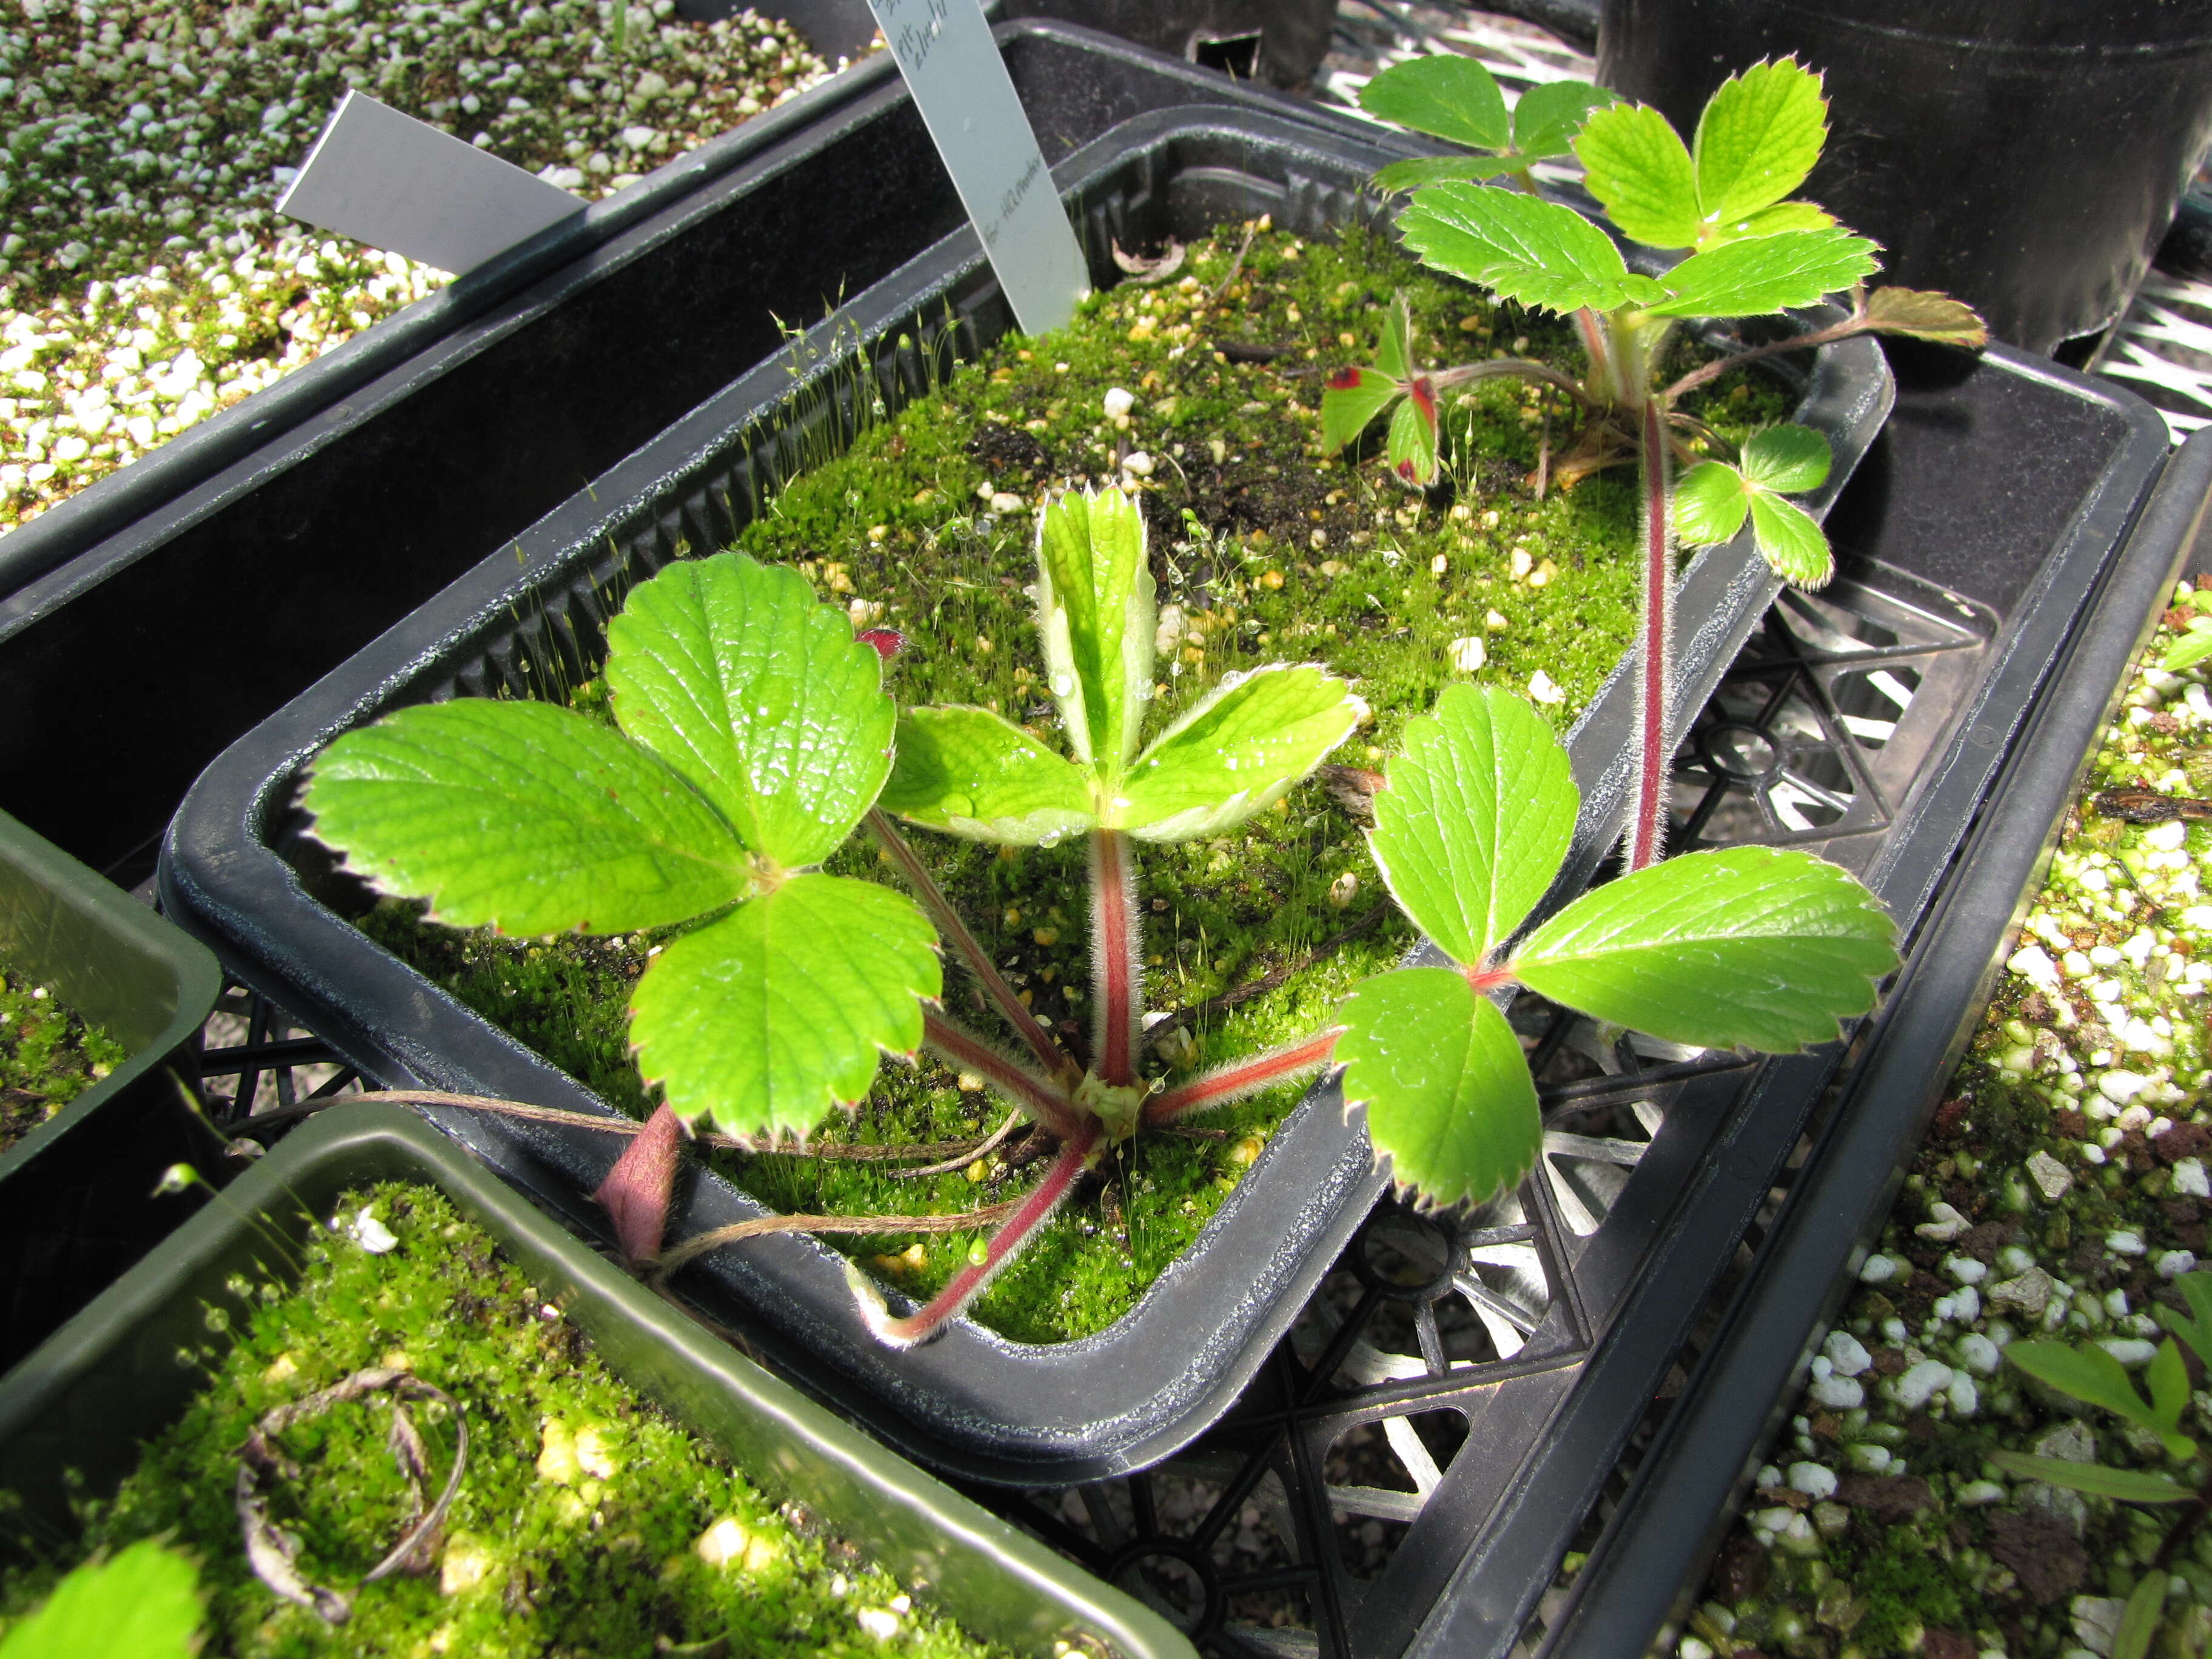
[[77, 1200], [72, 1416], [2024, 155], [970, 1401]]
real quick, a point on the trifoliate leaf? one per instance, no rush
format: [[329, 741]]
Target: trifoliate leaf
[[1095, 611], [1765, 274], [1710, 502], [2191, 648], [1449, 1098], [1925, 316], [1418, 170], [970, 773], [1446, 96], [1791, 540], [1238, 749], [766, 1018], [1639, 170], [143, 1603], [524, 817], [1522, 248], [1788, 457], [1473, 819], [1551, 113], [1350, 398], [738, 676], [1760, 135], [1410, 453], [1754, 946], [1783, 216], [2098, 1479]]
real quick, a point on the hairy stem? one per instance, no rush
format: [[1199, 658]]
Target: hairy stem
[[1042, 1098], [1647, 829], [960, 1160], [1117, 979], [1602, 388], [736, 1232], [1240, 1077], [1523, 369], [1855, 323], [1049, 1053], [969, 1283]]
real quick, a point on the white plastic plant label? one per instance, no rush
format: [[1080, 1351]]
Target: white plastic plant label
[[944, 49], [402, 186]]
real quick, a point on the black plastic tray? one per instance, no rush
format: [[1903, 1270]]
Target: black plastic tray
[[971, 1400], [110, 1379], [229, 570], [77, 1198]]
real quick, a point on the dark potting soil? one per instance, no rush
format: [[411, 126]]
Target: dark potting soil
[[587, 1521], [1202, 392]]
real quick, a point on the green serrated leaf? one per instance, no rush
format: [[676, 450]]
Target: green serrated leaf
[[1755, 946], [524, 817], [738, 678], [2128, 1485], [1447, 1090], [1522, 248], [1791, 540], [1710, 502], [1395, 355], [2167, 1378], [2139, 1619], [2087, 1373], [143, 1603], [1353, 399], [1446, 96], [1639, 168], [1238, 749], [2191, 648], [970, 773], [1551, 113], [765, 1019], [1763, 274], [1473, 819], [1925, 315], [1410, 451], [1783, 216], [1094, 611], [1789, 459], [1758, 138], [1419, 170]]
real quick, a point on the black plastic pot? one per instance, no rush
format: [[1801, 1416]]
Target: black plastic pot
[[82, 1404], [971, 1400], [1674, 1513], [1279, 41], [2025, 155], [78, 1204], [283, 534]]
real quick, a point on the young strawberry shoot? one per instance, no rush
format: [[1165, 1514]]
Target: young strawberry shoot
[[1751, 946], [2089, 1374], [1750, 251], [968, 772], [754, 734]]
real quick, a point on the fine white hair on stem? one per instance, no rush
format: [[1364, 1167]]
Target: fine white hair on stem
[[1117, 965]]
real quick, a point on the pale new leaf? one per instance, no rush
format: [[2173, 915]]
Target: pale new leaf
[[1764, 274], [1759, 135], [972, 773], [1522, 248], [1094, 611], [1639, 169], [1238, 749]]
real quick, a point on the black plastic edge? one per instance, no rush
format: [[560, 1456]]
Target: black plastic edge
[[1683, 1496]]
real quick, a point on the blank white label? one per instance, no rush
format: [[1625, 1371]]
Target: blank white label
[[401, 185], [952, 66]]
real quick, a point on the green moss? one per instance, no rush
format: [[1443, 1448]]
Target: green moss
[[581, 1520], [1902, 1580], [1264, 549], [49, 1055]]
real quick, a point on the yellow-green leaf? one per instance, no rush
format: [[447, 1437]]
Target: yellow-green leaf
[[971, 773]]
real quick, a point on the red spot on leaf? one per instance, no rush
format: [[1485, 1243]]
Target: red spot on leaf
[[1422, 391], [888, 641], [1345, 380], [1407, 471]]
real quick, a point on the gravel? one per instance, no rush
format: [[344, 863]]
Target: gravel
[[146, 281]]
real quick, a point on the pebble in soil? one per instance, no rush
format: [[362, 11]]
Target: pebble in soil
[[2062, 1190], [146, 281], [586, 1521], [49, 1054], [1264, 549]]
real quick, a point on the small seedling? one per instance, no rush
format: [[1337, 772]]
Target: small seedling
[[969, 772], [2089, 1374], [2194, 646], [1755, 946]]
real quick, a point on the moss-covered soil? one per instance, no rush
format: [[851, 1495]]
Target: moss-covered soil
[[587, 1521], [1264, 548], [2062, 1191], [49, 1054]]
